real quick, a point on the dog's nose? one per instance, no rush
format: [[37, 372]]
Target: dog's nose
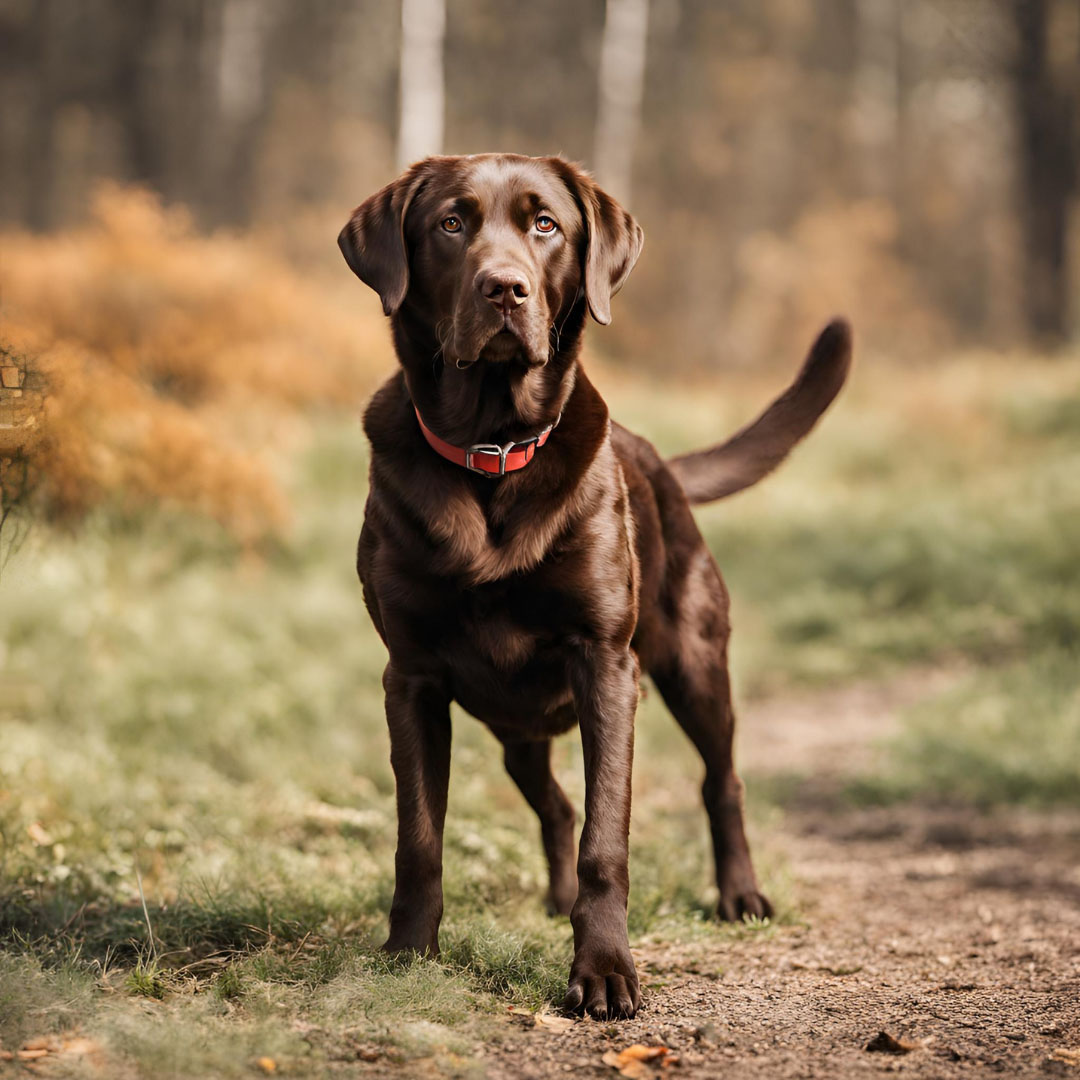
[[506, 289]]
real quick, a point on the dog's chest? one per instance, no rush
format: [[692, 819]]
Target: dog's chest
[[505, 627], [508, 654], [498, 640]]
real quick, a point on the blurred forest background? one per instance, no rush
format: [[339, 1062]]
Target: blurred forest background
[[190, 696], [914, 161]]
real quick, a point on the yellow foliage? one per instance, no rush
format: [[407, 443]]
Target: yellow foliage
[[837, 259], [147, 347]]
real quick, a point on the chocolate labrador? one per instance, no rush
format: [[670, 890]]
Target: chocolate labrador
[[525, 556]]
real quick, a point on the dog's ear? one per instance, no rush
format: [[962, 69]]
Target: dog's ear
[[373, 240], [613, 240]]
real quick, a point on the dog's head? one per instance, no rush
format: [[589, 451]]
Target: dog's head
[[491, 253]]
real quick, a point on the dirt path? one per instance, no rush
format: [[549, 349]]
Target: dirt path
[[956, 933], [833, 733]]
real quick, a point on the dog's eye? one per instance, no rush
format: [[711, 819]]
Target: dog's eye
[[451, 224], [545, 224]]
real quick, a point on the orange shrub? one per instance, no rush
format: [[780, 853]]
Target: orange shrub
[[147, 350]]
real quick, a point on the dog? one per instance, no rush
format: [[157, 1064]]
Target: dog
[[527, 557]]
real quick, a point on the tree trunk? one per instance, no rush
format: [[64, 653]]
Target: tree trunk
[[622, 88], [1045, 112], [423, 24], [44, 93]]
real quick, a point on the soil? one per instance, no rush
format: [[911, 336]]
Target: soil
[[954, 932]]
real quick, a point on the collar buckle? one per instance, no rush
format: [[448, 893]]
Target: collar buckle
[[491, 449]]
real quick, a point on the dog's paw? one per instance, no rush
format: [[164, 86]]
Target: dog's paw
[[606, 991], [736, 907]]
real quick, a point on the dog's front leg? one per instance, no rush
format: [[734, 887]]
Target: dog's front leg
[[603, 980], [418, 714]]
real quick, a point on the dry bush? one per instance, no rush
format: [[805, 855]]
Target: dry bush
[[839, 258], [155, 351]]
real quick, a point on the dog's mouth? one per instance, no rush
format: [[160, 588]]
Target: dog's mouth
[[503, 344], [505, 338]]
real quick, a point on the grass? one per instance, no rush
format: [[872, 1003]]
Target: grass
[[1004, 735], [172, 702]]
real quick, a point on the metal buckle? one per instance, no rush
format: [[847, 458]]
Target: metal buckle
[[489, 448], [503, 451]]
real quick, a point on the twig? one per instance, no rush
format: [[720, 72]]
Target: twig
[[296, 952]]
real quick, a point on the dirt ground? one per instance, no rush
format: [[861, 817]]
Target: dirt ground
[[954, 932]]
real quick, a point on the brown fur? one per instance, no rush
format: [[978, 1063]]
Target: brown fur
[[535, 600]]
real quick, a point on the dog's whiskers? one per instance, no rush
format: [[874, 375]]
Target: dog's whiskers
[[558, 336], [443, 329]]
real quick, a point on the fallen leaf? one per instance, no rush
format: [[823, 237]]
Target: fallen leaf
[[632, 1061], [44, 1043], [31, 1055], [884, 1043], [517, 1010], [552, 1023], [1066, 1056], [267, 1064]]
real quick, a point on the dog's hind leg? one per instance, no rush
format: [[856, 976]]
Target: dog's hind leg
[[529, 766], [700, 701], [693, 681]]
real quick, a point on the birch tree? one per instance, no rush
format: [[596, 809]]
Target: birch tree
[[622, 86], [423, 90]]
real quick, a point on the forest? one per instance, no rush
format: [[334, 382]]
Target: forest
[[913, 159]]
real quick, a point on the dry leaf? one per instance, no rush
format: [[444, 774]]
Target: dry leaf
[[45, 1042], [267, 1064], [1066, 1056], [632, 1061], [517, 1010], [884, 1043], [556, 1025], [54, 1046]]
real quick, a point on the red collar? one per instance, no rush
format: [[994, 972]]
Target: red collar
[[488, 459]]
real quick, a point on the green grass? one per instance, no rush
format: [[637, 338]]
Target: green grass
[[214, 718], [1008, 735], [983, 571]]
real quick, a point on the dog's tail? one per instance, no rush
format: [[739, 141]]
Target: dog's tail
[[753, 452]]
